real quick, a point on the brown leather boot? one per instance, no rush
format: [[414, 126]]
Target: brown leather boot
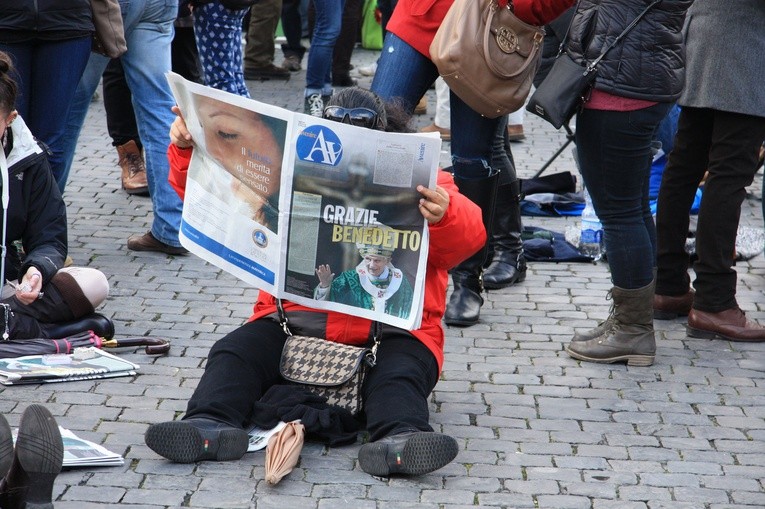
[[731, 324], [630, 337], [133, 169]]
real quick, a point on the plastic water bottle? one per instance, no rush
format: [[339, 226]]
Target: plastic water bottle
[[591, 237]]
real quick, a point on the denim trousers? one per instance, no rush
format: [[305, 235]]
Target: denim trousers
[[724, 145], [219, 41], [149, 33], [326, 30], [614, 152], [244, 364], [404, 73], [48, 73]]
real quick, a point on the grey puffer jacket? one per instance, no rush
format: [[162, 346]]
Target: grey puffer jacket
[[22, 20], [649, 63]]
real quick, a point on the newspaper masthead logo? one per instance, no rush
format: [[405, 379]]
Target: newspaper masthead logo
[[319, 144]]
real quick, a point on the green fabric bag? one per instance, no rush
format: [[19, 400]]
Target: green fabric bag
[[371, 31]]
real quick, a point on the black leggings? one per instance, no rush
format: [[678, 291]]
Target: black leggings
[[244, 364]]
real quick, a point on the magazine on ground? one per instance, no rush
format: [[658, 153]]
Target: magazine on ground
[[87, 363], [79, 452], [287, 201]]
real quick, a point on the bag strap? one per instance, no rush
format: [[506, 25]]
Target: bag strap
[[376, 331], [591, 67], [494, 6]]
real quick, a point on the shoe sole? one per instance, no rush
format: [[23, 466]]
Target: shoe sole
[[142, 191], [182, 443], [423, 453], [631, 359], [704, 334], [461, 323], [39, 456]]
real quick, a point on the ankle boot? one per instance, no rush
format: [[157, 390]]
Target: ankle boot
[[98, 323], [630, 337], [508, 265], [37, 460], [465, 302], [133, 169]]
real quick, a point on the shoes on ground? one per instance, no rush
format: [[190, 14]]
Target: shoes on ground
[[422, 106], [197, 439], [731, 324], [515, 132], [314, 105], [133, 169], [446, 134], [413, 453], [368, 70], [269, 72], [344, 81], [37, 460], [669, 307], [292, 63], [147, 242]]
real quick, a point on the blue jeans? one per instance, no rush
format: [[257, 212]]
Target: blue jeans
[[614, 151], [404, 73], [218, 32], [149, 32], [318, 74], [48, 73]]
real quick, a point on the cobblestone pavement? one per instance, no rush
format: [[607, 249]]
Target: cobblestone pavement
[[535, 428]]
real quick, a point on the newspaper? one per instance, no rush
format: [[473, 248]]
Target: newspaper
[[79, 452], [87, 363], [278, 198], [259, 436]]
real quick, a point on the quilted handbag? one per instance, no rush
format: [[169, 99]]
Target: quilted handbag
[[486, 55], [329, 369]]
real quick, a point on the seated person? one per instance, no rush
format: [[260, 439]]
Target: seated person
[[41, 298], [244, 364]]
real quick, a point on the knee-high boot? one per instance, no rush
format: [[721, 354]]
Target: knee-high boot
[[465, 302], [508, 265]]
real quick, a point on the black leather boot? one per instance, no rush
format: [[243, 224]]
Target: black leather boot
[[95, 322], [465, 302], [508, 265]]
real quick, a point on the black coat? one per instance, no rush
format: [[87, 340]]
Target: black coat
[[649, 63], [22, 20], [36, 210]]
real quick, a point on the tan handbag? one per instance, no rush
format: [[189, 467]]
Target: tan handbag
[[486, 55], [109, 36]]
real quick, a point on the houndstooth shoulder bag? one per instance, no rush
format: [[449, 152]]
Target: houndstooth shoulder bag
[[326, 368]]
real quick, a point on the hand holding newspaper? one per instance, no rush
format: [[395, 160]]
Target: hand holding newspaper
[[321, 213]]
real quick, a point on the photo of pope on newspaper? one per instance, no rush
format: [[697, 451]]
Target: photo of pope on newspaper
[[355, 232]]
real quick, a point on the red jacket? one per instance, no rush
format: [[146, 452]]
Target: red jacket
[[416, 21], [459, 234]]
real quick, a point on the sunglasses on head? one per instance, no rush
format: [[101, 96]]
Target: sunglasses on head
[[360, 117]]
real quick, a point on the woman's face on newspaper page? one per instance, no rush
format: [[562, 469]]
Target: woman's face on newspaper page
[[244, 145]]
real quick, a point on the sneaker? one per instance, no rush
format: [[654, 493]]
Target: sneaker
[[368, 70], [37, 461], [292, 63], [446, 134], [148, 242], [197, 439], [269, 72], [314, 105], [413, 453]]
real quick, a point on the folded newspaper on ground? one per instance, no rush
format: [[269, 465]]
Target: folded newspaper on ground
[[79, 452], [321, 213], [87, 363]]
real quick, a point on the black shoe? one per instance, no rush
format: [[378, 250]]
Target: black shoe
[[197, 439], [6, 446], [505, 270], [98, 323], [269, 72], [413, 453], [37, 461], [344, 81], [464, 306]]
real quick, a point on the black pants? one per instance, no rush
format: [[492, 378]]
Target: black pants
[[244, 364], [726, 145]]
